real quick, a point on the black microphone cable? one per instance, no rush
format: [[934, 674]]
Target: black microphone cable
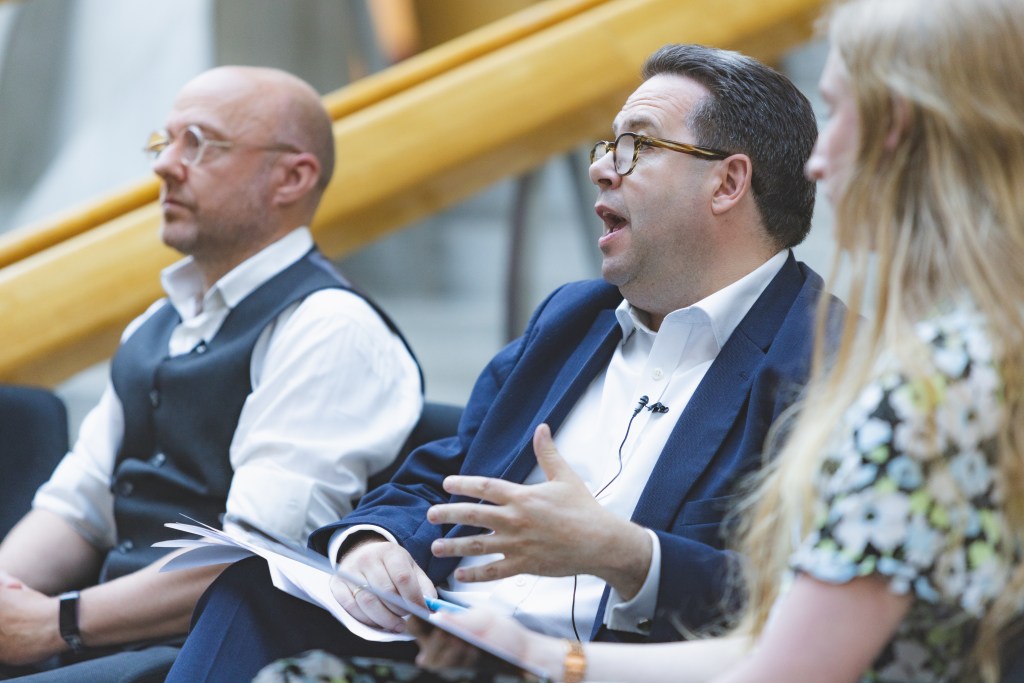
[[659, 408]]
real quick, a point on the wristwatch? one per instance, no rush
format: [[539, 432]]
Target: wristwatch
[[575, 662], [68, 621]]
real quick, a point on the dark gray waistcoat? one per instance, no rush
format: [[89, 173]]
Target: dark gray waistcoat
[[181, 414]]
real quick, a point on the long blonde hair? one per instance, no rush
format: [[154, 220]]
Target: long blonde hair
[[942, 207]]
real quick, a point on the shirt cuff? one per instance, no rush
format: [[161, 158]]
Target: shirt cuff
[[636, 615], [339, 537]]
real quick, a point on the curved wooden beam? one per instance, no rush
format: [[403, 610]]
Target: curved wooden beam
[[422, 148], [27, 240]]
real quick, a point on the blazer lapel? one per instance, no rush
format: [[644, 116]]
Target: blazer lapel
[[713, 409], [698, 434], [592, 355]]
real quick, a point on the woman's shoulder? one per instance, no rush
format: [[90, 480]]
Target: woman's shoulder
[[958, 338], [950, 362], [939, 394], [913, 476]]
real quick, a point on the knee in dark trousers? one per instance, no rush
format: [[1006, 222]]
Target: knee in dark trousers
[[242, 623]]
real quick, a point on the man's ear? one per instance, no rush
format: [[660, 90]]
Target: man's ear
[[732, 178], [299, 175]]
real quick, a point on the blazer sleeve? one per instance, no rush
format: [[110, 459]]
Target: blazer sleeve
[[701, 588], [400, 506]]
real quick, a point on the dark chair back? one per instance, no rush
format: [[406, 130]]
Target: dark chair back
[[1013, 654], [33, 439], [437, 421]]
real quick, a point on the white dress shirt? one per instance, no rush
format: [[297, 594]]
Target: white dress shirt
[[666, 366], [310, 432]]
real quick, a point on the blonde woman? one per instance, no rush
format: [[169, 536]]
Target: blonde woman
[[894, 513]]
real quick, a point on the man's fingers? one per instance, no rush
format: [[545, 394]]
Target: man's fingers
[[388, 567], [426, 588], [550, 460], [472, 514], [411, 583], [479, 544], [497, 491], [345, 595], [492, 571], [396, 572], [380, 612], [365, 606], [383, 579]]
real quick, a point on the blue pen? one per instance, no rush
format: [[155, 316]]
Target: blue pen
[[439, 605]]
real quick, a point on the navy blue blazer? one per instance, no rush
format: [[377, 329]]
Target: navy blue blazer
[[539, 377]]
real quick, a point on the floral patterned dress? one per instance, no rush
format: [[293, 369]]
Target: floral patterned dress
[[910, 491], [320, 667]]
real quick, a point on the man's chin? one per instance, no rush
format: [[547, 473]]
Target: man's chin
[[614, 271], [179, 237]]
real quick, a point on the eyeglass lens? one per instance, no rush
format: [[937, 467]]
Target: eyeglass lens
[[622, 149], [625, 147], [191, 147]]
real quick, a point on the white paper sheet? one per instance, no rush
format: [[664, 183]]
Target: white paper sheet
[[306, 574], [297, 571]]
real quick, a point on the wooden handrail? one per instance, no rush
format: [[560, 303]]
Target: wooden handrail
[[427, 144], [27, 240], [24, 241]]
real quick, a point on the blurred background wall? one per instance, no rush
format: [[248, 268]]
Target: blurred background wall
[[82, 83]]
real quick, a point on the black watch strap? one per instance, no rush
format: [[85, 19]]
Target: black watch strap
[[68, 621]]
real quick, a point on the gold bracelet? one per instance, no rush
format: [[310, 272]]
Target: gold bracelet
[[575, 662]]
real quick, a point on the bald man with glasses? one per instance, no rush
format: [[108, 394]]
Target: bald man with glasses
[[598, 454], [247, 396]]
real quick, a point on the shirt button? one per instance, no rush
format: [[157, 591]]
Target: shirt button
[[158, 460], [154, 398], [520, 581], [657, 374], [126, 546], [125, 488], [644, 625], [201, 347]]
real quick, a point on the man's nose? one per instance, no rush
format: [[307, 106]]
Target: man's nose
[[602, 171], [168, 163]]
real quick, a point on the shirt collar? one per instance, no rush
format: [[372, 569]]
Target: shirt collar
[[724, 308], [183, 281]]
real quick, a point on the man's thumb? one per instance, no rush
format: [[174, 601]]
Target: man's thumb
[[548, 457]]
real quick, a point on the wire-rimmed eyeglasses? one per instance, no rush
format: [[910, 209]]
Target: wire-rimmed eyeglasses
[[194, 143], [626, 150]]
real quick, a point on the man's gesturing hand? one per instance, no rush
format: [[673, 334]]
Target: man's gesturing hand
[[385, 565], [555, 528]]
